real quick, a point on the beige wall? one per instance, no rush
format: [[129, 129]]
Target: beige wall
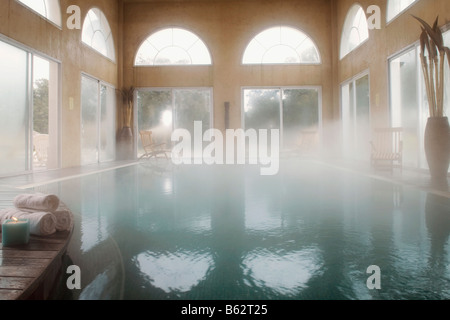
[[24, 26], [227, 27], [393, 37]]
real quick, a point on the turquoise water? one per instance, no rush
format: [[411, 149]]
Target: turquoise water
[[226, 232]]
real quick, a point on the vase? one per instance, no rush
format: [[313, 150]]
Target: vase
[[125, 144], [437, 146]]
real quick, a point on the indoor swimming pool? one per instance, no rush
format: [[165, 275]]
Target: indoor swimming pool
[[163, 232]]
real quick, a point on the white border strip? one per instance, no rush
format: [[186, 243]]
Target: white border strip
[[43, 183], [423, 188]]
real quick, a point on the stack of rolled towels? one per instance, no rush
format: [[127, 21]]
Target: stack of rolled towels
[[45, 212]]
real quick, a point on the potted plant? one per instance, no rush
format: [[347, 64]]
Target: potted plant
[[433, 54], [125, 137]]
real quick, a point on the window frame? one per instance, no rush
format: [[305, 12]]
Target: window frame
[[398, 14], [281, 89], [98, 121], [354, 120], [360, 44], [316, 47], [111, 36], [31, 53], [171, 90], [208, 51], [420, 96]]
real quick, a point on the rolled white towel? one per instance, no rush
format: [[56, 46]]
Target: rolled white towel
[[64, 218], [37, 202], [41, 223]]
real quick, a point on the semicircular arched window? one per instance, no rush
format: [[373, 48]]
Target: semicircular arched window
[[173, 46], [394, 8], [355, 31], [49, 9], [96, 33], [281, 45]]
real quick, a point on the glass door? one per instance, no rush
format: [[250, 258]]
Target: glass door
[[301, 118], [163, 110], [405, 103], [296, 112], [14, 110], [355, 103], [98, 121], [409, 102], [107, 119], [89, 121], [45, 114], [29, 111], [262, 109]]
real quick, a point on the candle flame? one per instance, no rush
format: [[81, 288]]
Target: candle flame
[[15, 219]]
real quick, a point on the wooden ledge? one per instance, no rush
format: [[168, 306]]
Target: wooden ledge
[[29, 271]]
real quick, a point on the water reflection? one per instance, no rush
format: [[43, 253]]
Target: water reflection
[[229, 233], [438, 225], [174, 271], [284, 274]]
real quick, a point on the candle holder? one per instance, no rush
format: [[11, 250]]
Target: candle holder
[[15, 232]]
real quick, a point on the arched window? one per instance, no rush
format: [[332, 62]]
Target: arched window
[[395, 7], [49, 9], [355, 30], [281, 45], [173, 46], [97, 34]]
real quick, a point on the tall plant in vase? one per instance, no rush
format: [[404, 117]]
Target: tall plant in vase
[[433, 55], [127, 97], [125, 138]]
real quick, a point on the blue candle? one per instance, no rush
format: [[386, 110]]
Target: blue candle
[[15, 232]]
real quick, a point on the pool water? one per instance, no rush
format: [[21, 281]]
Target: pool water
[[160, 232]]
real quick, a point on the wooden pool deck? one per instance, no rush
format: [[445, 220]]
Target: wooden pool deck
[[30, 271]]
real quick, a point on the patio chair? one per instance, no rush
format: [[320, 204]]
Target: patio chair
[[151, 149], [40, 149], [387, 148]]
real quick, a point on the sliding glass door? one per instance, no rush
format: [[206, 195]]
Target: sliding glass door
[[355, 102], [409, 102], [164, 110], [14, 110], [406, 105], [107, 119], [293, 111], [301, 115], [29, 111], [98, 121], [89, 121], [45, 114]]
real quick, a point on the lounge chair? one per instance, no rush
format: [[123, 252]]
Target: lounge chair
[[151, 149]]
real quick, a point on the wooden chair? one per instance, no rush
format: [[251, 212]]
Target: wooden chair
[[387, 148], [40, 149], [151, 149]]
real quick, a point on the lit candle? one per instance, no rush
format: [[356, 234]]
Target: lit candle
[[15, 232]]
